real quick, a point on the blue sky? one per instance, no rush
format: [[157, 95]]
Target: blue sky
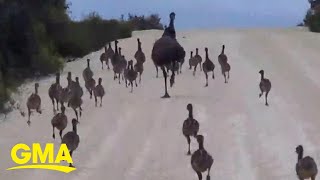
[[192, 14]]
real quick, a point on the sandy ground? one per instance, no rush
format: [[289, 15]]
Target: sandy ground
[[138, 136]]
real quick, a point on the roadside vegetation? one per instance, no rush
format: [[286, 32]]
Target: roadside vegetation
[[312, 18], [37, 36]]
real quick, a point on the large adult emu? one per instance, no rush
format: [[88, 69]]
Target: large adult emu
[[167, 50]]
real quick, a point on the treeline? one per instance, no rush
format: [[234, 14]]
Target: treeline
[[312, 21], [35, 36], [312, 18]]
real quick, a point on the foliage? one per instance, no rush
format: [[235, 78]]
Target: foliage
[[143, 23], [36, 35], [312, 21]]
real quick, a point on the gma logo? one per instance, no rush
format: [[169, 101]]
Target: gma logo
[[41, 159]]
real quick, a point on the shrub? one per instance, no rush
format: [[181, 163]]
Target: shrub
[[312, 20], [35, 35]]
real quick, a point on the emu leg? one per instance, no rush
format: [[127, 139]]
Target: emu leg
[[29, 114], [119, 78], [53, 135], [95, 99], [194, 70], [199, 175], [157, 71], [189, 141], [172, 75], [166, 95], [90, 91], [101, 101], [206, 79], [75, 111], [267, 104], [131, 83], [80, 111], [114, 76], [107, 63], [102, 64], [136, 82], [38, 110], [61, 103], [60, 133], [261, 92], [57, 101], [70, 164], [52, 100], [212, 73], [140, 78], [208, 176], [225, 79]]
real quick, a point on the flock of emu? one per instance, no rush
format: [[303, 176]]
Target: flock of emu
[[168, 55]]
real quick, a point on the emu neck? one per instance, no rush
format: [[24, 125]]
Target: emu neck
[[74, 128], [88, 64], [190, 114], [36, 90], [262, 76], [69, 77], [57, 79], [197, 51], [207, 56], [222, 52], [69, 81], [300, 155], [139, 47], [116, 48], [171, 25], [191, 55], [99, 82], [109, 45], [201, 145]]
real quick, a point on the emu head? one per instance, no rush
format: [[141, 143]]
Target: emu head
[[172, 16], [200, 138], [74, 122], [299, 149], [189, 107]]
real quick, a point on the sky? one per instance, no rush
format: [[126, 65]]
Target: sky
[[195, 14]]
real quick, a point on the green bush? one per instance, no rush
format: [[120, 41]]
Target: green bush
[[89, 35], [47, 63], [312, 21], [35, 35]]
